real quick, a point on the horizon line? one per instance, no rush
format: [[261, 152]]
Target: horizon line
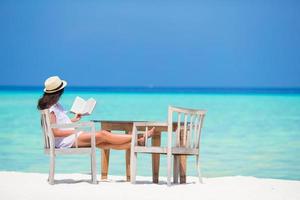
[[153, 86], [166, 89]]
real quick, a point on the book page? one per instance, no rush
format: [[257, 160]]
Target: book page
[[89, 106], [78, 105]]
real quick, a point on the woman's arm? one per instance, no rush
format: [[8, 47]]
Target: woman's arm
[[57, 132]]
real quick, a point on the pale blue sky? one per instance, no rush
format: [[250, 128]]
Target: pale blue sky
[[209, 43]]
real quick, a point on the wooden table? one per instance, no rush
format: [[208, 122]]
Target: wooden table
[[156, 141]]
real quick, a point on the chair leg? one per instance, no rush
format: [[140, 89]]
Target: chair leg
[[169, 168], [176, 169], [133, 163], [93, 168], [52, 169], [198, 168]]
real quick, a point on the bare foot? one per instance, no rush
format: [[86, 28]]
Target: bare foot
[[149, 134]]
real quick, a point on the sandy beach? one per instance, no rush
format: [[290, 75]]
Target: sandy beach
[[26, 186]]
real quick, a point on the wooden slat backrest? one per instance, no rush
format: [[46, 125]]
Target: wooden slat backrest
[[189, 124], [186, 123], [47, 131]]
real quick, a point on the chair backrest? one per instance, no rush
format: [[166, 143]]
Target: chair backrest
[[187, 126], [46, 129]]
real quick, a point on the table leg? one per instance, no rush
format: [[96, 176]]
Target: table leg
[[104, 158], [182, 169], [127, 163], [155, 157], [104, 163]]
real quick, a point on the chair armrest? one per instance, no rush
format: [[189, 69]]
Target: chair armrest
[[78, 125], [73, 125]]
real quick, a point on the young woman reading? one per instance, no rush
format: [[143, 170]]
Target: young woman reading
[[65, 138]]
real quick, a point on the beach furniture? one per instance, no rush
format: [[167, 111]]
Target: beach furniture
[[126, 126], [182, 141], [49, 145]]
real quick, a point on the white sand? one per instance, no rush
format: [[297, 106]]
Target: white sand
[[25, 186]]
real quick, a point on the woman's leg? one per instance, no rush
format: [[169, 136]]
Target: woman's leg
[[112, 138], [84, 139], [103, 136]]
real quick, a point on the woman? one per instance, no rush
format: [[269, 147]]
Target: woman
[[65, 138]]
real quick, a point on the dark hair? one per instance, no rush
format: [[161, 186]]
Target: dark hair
[[49, 99]]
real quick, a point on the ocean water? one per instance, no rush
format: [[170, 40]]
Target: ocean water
[[243, 134]]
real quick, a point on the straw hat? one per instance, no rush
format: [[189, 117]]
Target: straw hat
[[54, 84]]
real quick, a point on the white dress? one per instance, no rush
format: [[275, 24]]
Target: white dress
[[62, 118]]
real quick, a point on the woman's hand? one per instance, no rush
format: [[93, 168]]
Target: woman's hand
[[76, 118]]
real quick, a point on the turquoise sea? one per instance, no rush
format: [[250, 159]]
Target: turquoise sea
[[245, 133]]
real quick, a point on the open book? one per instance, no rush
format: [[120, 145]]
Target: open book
[[83, 107]]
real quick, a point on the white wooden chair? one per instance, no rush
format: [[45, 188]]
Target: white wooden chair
[[49, 146], [184, 131]]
